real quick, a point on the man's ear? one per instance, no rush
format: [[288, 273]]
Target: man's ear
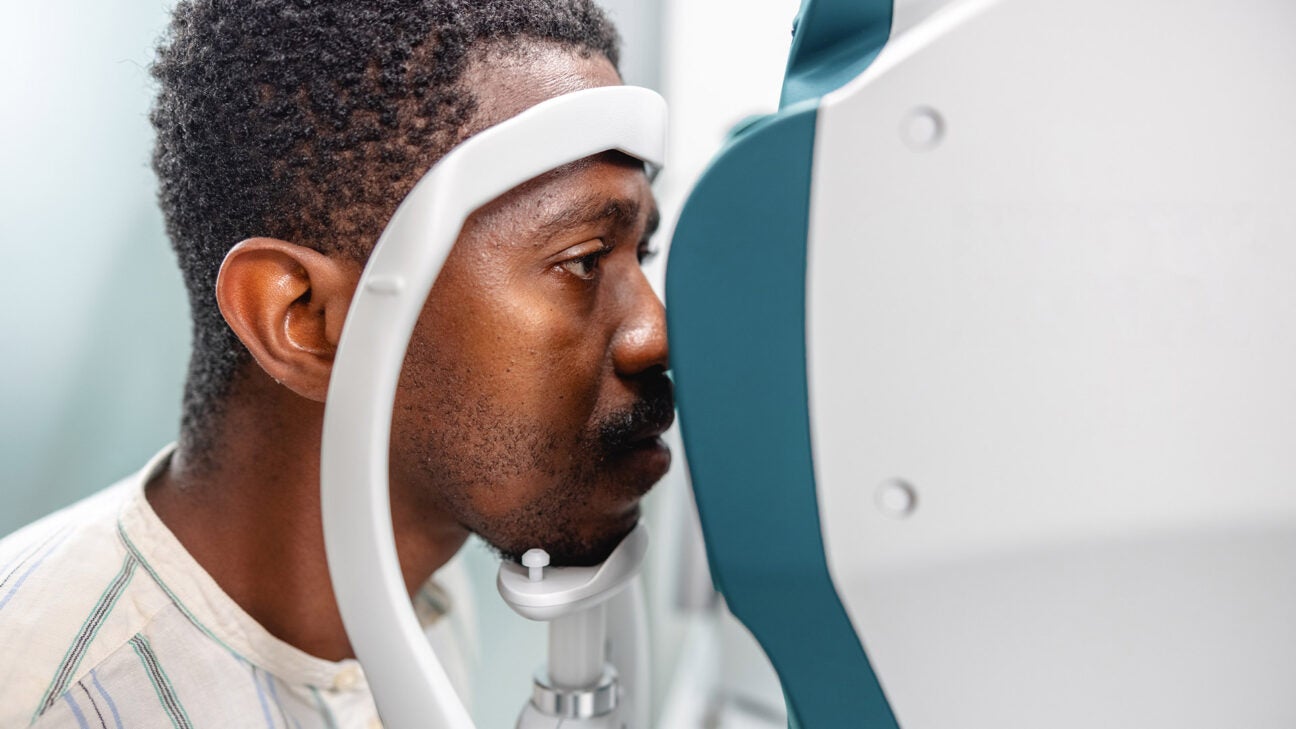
[[287, 303]]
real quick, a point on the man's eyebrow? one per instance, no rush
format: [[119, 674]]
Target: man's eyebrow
[[623, 212]]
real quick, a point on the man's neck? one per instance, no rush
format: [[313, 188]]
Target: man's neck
[[250, 516]]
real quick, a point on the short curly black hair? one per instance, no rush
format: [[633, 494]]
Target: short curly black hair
[[308, 121]]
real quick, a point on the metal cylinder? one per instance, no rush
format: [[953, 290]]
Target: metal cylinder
[[577, 648]]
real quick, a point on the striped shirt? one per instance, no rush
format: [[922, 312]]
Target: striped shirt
[[106, 622]]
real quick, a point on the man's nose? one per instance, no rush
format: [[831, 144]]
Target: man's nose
[[640, 341]]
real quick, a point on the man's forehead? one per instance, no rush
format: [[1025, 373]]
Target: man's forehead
[[507, 80]]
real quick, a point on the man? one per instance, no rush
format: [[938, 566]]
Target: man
[[196, 592]]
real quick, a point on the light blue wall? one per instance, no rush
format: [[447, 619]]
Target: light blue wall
[[92, 313]]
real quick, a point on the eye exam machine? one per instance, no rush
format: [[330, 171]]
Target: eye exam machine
[[983, 348]]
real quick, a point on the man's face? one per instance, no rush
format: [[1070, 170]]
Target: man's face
[[534, 387]]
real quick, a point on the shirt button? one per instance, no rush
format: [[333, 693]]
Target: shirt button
[[347, 679]]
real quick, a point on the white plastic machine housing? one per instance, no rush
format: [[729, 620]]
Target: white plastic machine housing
[[410, 687], [1052, 290]]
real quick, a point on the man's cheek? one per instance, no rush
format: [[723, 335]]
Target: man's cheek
[[554, 367], [560, 399]]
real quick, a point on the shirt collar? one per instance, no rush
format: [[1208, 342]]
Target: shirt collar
[[214, 612]]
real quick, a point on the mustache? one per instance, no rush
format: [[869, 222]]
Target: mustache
[[652, 413]]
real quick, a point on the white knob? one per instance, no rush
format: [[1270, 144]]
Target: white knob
[[535, 560], [896, 498], [922, 129]]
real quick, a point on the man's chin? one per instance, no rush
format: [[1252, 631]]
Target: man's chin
[[580, 531], [571, 550]]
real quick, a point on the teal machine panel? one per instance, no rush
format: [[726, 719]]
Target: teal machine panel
[[736, 297]]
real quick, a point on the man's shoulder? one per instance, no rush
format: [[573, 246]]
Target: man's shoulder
[[69, 589], [101, 505], [76, 541]]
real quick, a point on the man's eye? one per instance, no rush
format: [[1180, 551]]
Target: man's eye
[[585, 267], [647, 253]]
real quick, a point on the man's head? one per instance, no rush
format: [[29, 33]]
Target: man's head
[[534, 384]]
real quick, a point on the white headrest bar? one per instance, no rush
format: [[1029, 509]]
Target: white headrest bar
[[409, 684]]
